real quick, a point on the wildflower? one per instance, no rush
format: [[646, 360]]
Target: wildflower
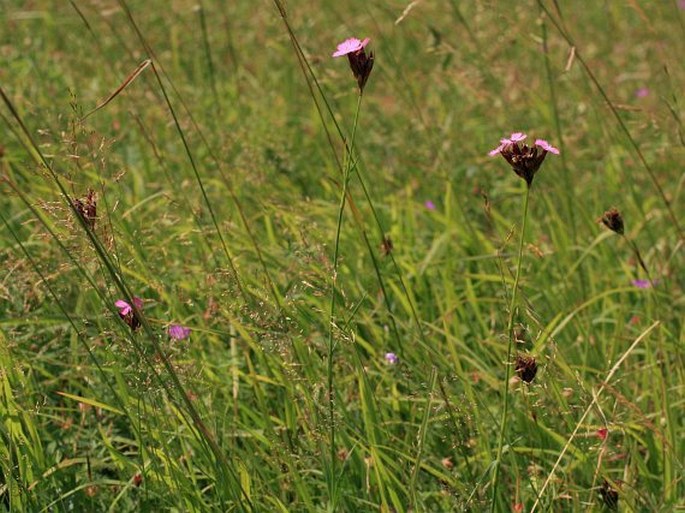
[[609, 495], [178, 332], [360, 63], [127, 314], [613, 220], [87, 208], [644, 284], [447, 463], [524, 160], [526, 368], [387, 246], [391, 358], [642, 92], [429, 205], [602, 433]]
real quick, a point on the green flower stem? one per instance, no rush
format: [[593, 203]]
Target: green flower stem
[[350, 163], [510, 346]]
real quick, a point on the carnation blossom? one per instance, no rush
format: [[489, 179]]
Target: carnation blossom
[[361, 63], [429, 205], [351, 45], [178, 332], [524, 160], [125, 308]]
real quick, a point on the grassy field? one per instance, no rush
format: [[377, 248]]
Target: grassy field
[[346, 304]]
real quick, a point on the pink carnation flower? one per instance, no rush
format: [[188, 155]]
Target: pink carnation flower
[[178, 332], [351, 45], [125, 308]]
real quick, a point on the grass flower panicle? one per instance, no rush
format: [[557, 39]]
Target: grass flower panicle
[[524, 160], [361, 63]]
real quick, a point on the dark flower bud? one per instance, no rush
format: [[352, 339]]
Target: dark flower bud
[[613, 220], [609, 495], [87, 208], [526, 368]]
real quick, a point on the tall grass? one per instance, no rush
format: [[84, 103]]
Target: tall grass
[[246, 191]]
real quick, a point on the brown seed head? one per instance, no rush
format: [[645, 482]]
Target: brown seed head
[[613, 220], [526, 368]]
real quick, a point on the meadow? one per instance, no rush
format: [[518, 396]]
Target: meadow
[[240, 274]]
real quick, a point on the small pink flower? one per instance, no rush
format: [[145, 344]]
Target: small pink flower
[[391, 358], [125, 308], [642, 92], [681, 4], [351, 45], [178, 332], [516, 137], [643, 284], [546, 146], [503, 143], [429, 205], [602, 434]]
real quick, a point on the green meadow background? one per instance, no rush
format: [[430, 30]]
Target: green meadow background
[[234, 199]]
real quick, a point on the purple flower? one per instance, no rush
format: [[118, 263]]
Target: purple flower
[[178, 332], [391, 358], [681, 4], [125, 308], [644, 284], [351, 45], [429, 205], [642, 92], [524, 160], [361, 64]]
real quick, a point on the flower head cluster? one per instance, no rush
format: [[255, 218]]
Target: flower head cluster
[[361, 63], [524, 160]]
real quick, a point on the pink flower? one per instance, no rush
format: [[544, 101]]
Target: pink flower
[[361, 64], [546, 146], [429, 205], [351, 45], [642, 92], [178, 332], [643, 284], [125, 308], [524, 160], [503, 143], [391, 358], [602, 433]]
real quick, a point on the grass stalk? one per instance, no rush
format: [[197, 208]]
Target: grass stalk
[[508, 363]]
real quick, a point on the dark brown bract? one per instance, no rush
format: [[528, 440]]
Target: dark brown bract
[[526, 368]]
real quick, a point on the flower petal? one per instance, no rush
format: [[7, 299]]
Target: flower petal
[[350, 45], [546, 146], [123, 306], [517, 137]]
